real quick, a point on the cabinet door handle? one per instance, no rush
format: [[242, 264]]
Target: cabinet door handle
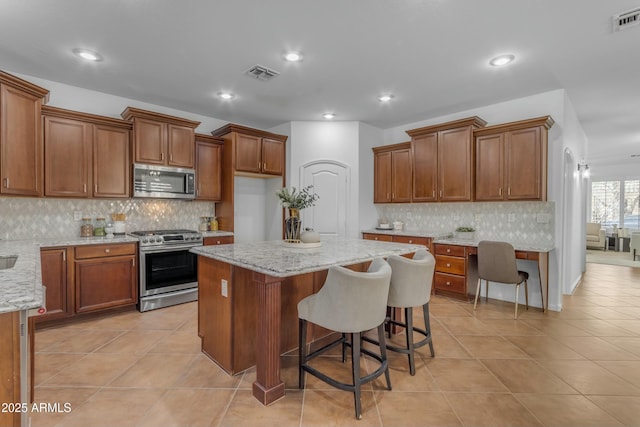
[[64, 255], [508, 191], [161, 156], [95, 189], [84, 187], [6, 183], [133, 262], [440, 193], [500, 191], [393, 195], [433, 194], [171, 157], [264, 166]]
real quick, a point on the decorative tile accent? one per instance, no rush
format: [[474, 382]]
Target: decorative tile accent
[[491, 220], [27, 218]]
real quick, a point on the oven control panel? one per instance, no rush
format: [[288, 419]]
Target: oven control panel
[[159, 240]]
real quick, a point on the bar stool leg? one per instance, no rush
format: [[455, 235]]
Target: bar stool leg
[[383, 353], [355, 361], [427, 327], [302, 350], [408, 314]]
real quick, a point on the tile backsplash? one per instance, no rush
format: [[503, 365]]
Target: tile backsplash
[[526, 222], [25, 218]]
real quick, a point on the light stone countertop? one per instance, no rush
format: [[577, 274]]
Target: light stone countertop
[[519, 246], [21, 285], [416, 233], [218, 233], [274, 259]]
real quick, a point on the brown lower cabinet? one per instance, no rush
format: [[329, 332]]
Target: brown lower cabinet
[[10, 368], [87, 279], [416, 240]]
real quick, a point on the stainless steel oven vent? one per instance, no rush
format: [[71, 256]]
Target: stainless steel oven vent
[[626, 20], [262, 73]]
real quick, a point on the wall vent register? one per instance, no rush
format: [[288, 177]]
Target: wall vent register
[[626, 20]]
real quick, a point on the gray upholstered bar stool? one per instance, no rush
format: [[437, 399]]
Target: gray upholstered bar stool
[[497, 263], [350, 303], [411, 281]]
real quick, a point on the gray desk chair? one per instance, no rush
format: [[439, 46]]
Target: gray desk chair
[[497, 263], [411, 281], [350, 303]]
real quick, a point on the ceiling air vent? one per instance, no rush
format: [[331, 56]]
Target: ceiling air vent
[[626, 20], [262, 73]]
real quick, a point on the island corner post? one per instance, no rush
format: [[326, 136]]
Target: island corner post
[[268, 387]]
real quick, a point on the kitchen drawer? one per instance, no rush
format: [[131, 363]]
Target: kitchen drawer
[[222, 240], [96, 251], [380, 237], [412, 239], [452, 250], [451, 283], [533, 256], [449, 264]]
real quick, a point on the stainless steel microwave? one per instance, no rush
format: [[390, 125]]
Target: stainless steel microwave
[[163, 182]]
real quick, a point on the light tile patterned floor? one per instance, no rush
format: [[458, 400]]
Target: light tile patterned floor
[[580, 367]]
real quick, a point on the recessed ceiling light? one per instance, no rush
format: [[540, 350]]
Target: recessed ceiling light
[[226, 95], [293, 56], [502, 60], [87, 55], [329, 116], [385, 98]]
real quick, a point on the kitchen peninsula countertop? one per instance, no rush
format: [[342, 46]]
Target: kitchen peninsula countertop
[[20, 285], [217, 233], [274, 259]]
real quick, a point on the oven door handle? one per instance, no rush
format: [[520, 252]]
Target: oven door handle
[[159, 249]]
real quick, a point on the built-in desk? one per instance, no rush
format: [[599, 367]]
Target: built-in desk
[[248, 294], [457, 267]]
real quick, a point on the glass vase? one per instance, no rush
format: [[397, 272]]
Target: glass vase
[[293, 226]]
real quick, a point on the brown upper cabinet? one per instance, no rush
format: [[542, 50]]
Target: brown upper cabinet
[[254, 151], [85, 155], [392, 173], [159, 139], [208, 168], [21, 150], [511, 160], [247, 152], [443, 161]]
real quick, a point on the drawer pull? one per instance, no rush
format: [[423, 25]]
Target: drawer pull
[[217, 242], [448, 264], [106, 251], [448, 250], [410, 241], [448, 283]]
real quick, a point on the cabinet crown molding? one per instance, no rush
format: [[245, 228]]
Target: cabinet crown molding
[[231, 127], [25, 86], [131, 113], [545, 121], [200, 137], [392, 147], [474, 121], [50, 111]]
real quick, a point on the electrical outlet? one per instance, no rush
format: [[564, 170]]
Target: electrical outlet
[[77, 215], [511, 217], [225, 290]]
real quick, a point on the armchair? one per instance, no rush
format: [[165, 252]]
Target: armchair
[[634, 245], [595, 236]]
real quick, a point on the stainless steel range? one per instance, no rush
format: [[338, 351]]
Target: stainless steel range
[[168, 271]]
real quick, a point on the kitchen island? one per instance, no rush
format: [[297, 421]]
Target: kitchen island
[[247, 306]]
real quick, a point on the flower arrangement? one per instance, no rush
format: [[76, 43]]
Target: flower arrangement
[[294, 199]]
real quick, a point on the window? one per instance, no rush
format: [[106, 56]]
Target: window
[[616, 203]]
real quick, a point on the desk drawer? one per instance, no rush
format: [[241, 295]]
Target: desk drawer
[[380, 237], [452, 250], [451, 283], [96, 251], [450, 264]]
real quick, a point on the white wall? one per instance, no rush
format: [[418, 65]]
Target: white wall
[[369, 137], [332, 141]]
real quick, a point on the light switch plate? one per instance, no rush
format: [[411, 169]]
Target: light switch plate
[[224, 290]]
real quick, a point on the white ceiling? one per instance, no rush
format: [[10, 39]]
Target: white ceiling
[[431, 54]]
